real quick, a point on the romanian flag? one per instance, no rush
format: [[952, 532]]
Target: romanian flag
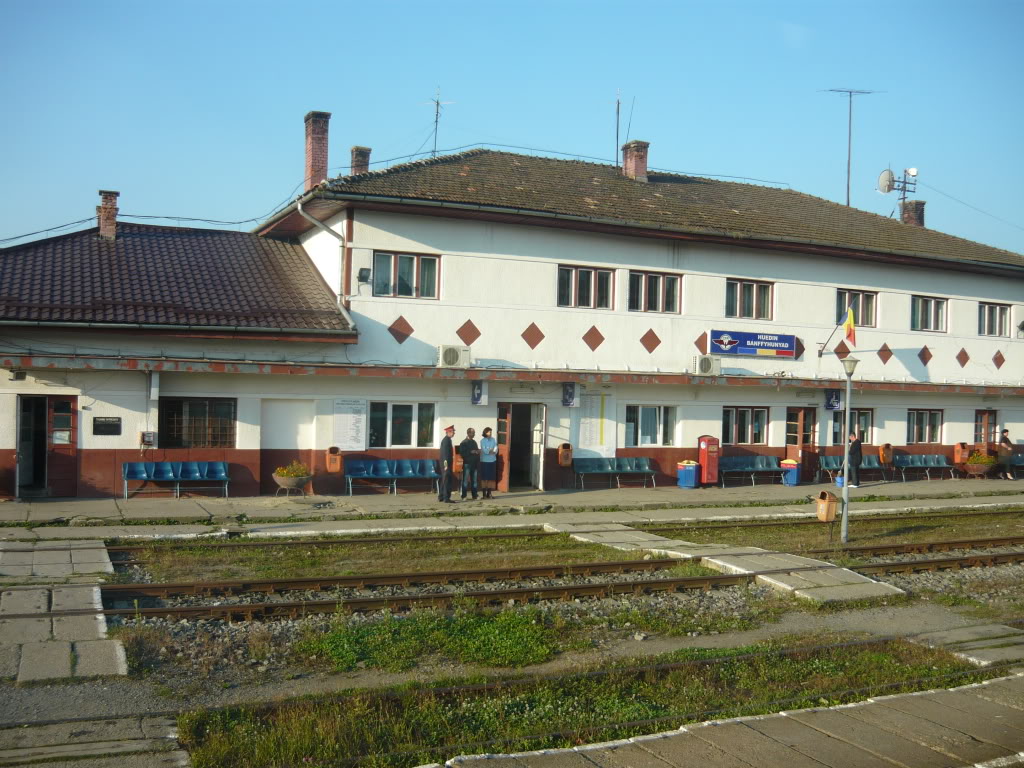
[[850, 328]]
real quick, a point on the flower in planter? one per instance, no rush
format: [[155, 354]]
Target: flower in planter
[[295, 469], [980, 458]]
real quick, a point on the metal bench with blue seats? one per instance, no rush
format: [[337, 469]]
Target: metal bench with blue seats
[[390, 471], [922, 464], [617, 468], [833, 466], [213, 473], [751, 466]]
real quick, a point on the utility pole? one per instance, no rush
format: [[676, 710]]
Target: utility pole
[[850, 93]]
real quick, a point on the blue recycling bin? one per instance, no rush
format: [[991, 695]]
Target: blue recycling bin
[[688, 475], [791, 475]]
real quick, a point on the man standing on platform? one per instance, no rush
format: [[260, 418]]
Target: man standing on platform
[[470, 453], [444, 485]]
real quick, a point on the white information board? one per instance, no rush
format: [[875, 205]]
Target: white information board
[[350, 425], [597, 425]]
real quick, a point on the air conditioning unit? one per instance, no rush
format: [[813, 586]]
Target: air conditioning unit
[[449, 356], [707, 365]]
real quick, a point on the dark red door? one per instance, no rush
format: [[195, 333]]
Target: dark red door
[[62, 445]]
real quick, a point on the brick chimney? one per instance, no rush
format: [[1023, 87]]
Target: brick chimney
[[360, 160], [912, 212], [106, 214], [634, 160], [316, 148]]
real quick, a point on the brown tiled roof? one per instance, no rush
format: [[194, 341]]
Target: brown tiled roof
[[154, 275], [668, 201]]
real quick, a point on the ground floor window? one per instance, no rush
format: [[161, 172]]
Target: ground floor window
[[196, 422], [744, 426], [650, 425], [401, 425], [984, 426], [924, 427], [860, 420]]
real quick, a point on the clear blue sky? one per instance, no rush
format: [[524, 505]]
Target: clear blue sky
[[195, 109]]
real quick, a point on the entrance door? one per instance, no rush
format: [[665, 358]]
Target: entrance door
[[985, 431], [47, 460], [801, 427], [521, 435], [538, 439]]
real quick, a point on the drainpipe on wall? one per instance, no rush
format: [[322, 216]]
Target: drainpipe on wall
[[344, 262]]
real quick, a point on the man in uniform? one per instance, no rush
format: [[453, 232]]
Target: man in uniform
[[444, 485]]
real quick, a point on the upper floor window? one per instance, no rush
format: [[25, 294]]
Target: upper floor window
[[860, 422], [927, 314], [405, 274], [401, 425], [650, 425], [744, 426], [747, 298], [862, 303], [196, 422], [924, 427], [653, 292], [993, 320], [585, 287]]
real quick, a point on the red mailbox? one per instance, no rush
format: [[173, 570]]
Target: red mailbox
[[707, 457]]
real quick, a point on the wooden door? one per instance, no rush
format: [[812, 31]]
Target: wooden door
[[801, 426], [502, 435], [985, 439], [62, 445]]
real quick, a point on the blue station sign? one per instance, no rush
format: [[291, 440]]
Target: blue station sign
[[753, 344]]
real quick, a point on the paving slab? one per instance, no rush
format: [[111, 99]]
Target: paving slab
[[57, 570], [17, 631], [146, 509], [86, 568], [9, 655], [13, 535], [563, 758], [16, 571], [975, 726], [100, 658], [743, 742], [74, 508], [16, 557], [849, 592], [51, 556], [967, 701], [827, 577], [628, 755], [79, 627], [995, 642], [159, 727], [965, 634], [96, 748], [14, 601], [13, 513], [553, 527], [175, 759], [45, 661], [681, 749], [22, 737], [76, 598], [126, 532], [82, 555]]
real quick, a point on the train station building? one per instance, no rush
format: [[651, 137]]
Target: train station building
[[617, 309]]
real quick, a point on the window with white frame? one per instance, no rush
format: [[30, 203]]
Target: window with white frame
[[650, 425], [401, 425], [585, 287], [744, 426], [405, 275], [993, 320], [748, 298], [924, 426], [653, 292], [861, 302], [860, 420], [927, 314]]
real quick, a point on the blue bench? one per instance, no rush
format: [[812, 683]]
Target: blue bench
[[176, 472], [923, 464], [1016, 462], [833, 466], [614, 468], [390, 471], [750, 465]]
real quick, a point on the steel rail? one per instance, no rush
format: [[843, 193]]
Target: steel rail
[[921, 546]]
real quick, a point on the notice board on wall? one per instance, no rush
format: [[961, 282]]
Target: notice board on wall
[[597, 425], [349, 424]]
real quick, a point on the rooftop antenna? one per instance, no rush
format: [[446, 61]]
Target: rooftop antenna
[[618, 107], [436, 101], [850, 93], [887, 182]]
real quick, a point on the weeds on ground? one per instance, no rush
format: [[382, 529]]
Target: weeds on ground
[[409, 727], [142, 646]]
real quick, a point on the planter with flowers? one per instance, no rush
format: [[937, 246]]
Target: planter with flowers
[[978, 464], [295, 475]]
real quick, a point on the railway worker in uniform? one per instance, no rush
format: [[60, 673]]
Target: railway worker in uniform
[[470, 453], [444, 485], [855, 458]]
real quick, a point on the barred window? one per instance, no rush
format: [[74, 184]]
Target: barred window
[[196, 422]]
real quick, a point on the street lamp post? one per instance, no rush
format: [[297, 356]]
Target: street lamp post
[[849, 365]]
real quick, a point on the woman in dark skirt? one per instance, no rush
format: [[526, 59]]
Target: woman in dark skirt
[[488, 463]]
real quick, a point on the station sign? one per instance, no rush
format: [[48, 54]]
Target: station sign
[[752, 344]]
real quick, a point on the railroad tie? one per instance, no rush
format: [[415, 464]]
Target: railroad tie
[[802, 576]]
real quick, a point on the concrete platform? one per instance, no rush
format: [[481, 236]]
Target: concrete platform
[[142, 742]]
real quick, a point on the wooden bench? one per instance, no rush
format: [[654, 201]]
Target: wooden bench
[[613, 468], [176, 472], [749, 465]]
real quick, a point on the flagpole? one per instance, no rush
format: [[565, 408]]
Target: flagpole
[[821, 349]]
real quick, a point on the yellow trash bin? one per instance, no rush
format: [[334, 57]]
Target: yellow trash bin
[[827, 505]]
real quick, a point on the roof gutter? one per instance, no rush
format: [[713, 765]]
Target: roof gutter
[[343, 255], [177, 327]]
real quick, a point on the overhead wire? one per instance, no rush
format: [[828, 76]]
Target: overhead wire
[[972, 207]]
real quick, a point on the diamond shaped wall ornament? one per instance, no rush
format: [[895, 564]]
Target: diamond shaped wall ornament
[[400, 329], [532, 336], [924, 355], [842, 351], [884, 353], [998, 359], [701, 343], [962, 357], [650, 341], [593, 338], [468, 333], [799, 351]]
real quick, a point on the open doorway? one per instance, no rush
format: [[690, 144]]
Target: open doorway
[[47, 458], [522, 435]]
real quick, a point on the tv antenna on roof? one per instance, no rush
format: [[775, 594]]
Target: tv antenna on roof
[[436, 101], [850, 93], [887, 182]]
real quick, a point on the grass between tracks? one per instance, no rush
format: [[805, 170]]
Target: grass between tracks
[[411, 726]]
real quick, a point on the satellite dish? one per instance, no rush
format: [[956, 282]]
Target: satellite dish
[[886, 182], [912, 171]]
